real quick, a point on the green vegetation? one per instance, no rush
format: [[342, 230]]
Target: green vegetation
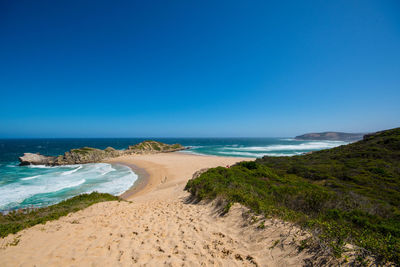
[[18, 220], [149, 145], [109, 149], [143, 147], [156, 146], [84, 150], [176, 146], [348, 194]]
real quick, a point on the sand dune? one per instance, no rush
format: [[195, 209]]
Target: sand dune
[[157, 226]]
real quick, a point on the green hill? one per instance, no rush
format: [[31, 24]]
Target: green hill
[[335, 136], [348, 194], [150, 146]]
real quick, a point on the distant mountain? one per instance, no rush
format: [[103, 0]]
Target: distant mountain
[[334, 136]]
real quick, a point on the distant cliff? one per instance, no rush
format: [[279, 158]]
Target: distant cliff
[[92, 155], [333, 136]]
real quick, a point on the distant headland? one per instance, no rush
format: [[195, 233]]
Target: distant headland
[[333, 136]]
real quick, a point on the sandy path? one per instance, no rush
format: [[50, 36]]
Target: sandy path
[[159, 227]]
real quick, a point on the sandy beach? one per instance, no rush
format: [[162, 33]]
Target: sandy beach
[[157, 226]]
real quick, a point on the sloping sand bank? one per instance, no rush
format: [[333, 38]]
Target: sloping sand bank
[[159, 227]]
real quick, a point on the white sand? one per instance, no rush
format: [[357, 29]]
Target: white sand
[[158, 228]]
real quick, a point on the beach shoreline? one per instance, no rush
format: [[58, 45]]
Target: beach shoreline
[[152, 174], [144, 179], [156, 226], [140, 183]]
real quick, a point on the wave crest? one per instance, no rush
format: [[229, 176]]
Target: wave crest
[[30, 177], [70, 172], [291, 147]]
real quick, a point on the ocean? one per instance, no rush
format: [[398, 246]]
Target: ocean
[[38, 186]]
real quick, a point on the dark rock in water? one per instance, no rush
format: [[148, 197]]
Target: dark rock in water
[[331, 136], [35, 159], [92, 155]]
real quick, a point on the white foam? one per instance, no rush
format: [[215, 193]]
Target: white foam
[[99, 177], [117, 185], [74, 184], [68, 166], [40, 166], [71, 172], [50, 167], [256, 155], [17, 193], [111, 169], [303, 147], [192, 152], [30, 178]]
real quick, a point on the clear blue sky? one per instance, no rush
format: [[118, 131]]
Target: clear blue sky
[[204, 68]]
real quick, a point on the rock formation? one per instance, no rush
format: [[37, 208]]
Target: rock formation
[[91, 155], [35, 159], [150, 146]]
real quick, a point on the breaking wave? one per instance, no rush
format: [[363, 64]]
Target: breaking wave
[[296, 147], [51, 185], [30, 177], [282, 147], [70, 172]]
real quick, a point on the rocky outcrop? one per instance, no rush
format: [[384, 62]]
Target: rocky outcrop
[[92, 155], [331, 136], [150, 147], [86, 155], [35, 159]]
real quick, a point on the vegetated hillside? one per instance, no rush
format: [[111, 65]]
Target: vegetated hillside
[[150, 146], [370, 167], [348, 194], [334, 136]]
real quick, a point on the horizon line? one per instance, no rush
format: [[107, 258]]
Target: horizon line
[[151, 137]]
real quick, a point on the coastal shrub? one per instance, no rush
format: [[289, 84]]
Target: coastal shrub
[[348, 194], [18, 220]]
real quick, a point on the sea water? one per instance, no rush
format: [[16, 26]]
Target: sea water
[[37, 186]]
